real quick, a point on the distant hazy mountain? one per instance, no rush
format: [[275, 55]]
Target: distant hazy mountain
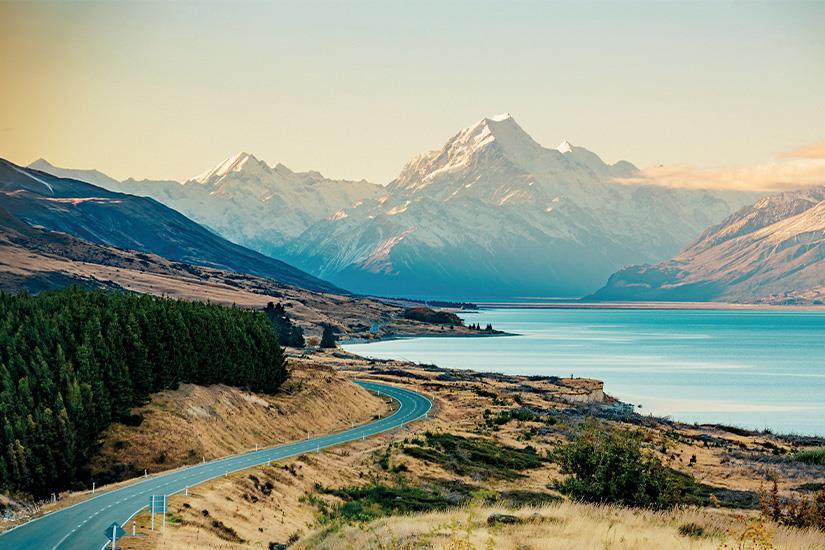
[[494, 214], [126, 221], [771, 251], [243, 199]]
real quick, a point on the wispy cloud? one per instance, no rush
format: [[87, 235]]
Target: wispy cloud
[[802, 167], [812, 151]]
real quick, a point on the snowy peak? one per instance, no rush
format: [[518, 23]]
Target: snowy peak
[[240, 163], [500, 118], [494, 156], [42, 165], [565, 147]]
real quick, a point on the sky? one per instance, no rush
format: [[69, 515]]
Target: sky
[[691, 92]]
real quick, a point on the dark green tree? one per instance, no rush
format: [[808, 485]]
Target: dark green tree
[[328, 336]]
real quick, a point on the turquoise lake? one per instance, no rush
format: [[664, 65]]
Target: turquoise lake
[[754, 369]]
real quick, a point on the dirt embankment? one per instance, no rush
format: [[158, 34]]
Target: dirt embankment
[[195, 423]]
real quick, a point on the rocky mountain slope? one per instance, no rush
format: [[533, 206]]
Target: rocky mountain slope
[[104, 217], [495, 214], [772, 251]]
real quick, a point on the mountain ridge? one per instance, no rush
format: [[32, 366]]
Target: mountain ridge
[[101, 216], [771, 251], [492, 213]]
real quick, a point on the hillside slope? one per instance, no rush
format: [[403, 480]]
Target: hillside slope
[[126, 221], [772, 251]]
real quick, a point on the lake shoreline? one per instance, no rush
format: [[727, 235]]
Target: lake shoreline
[[695, 366]]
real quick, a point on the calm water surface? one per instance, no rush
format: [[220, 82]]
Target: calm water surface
[[756, 369]]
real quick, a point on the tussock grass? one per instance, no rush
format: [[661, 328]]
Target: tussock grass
[[567, 525]]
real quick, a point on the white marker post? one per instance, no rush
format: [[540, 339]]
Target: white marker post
[[114, 536], [93, 487], [153, 513], [165, 505], [134, 528]]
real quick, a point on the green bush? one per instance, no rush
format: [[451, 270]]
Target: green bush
[[815, 457], [374, 501], [610, 466], [478, 458]]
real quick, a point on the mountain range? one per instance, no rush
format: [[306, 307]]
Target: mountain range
[[771, 251], [100, 216], [491, 214]]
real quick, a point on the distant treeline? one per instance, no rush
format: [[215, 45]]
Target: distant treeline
[[427, 315], [435, 303], [74, 361]]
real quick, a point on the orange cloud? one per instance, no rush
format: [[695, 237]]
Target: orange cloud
[[803, 167], [812, 151]]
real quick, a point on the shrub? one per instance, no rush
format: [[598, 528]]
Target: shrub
[[610, 466], [691, 530], [794, 512], [815, 457], [366, 503], [478, 458]]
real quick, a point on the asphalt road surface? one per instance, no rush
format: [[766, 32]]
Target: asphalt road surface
[[82, 525]]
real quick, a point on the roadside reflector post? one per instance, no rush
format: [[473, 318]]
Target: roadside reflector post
[[186, 492], [93, 487], [153, 511], [134, 528], [145, 473], [256, 447], [114, 537], [54, 498], [165, 506]]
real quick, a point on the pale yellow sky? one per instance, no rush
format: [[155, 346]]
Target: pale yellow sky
[[354, 89]]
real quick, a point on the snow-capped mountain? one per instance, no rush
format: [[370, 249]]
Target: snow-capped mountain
[[244, 199], [492, 213], [771, 251], [495, 214]]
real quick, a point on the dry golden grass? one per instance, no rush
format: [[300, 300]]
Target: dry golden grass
[[193, 423], [561, 527]]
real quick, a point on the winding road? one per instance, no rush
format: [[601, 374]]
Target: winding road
[[82, 525]]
